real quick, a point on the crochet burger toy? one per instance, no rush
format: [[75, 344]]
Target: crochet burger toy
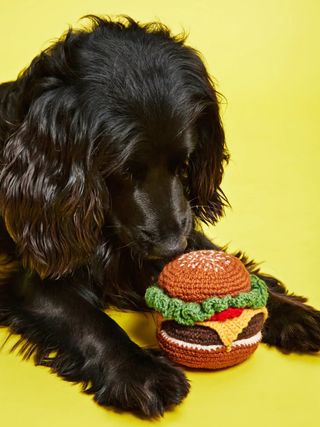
[[210, 310]]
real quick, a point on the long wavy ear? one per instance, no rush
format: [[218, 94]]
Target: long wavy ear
[[206, 163], [52, 196]]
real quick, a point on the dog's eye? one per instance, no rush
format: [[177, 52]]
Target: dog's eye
[[182, 173], [182, 169]]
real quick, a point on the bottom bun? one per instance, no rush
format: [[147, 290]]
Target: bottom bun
[[207, 356]]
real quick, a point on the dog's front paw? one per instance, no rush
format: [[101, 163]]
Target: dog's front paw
[[146, 382], [293, 327]]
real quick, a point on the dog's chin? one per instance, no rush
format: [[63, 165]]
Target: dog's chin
[[138, 249], [155, 257], [146, 252], [164, 258], [143, 251]]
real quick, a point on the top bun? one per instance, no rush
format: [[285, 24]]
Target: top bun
[[196, 276]]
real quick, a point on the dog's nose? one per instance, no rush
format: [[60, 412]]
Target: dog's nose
[[170, 249]]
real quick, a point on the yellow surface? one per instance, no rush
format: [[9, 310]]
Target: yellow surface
[[265, 57]]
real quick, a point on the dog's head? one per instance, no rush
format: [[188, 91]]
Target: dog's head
[[117, 135]]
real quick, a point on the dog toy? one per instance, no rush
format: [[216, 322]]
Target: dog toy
[[210, 311]]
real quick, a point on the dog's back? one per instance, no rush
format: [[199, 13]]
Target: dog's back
[[6, 102], [4, 88]]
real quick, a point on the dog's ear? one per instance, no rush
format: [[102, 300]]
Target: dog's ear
[[52, 195], [206, 163]]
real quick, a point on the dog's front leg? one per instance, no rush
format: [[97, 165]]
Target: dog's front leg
[[292, 325], [62, 326]]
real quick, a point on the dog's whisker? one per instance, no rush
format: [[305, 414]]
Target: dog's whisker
[[112, 226], [125, 246]]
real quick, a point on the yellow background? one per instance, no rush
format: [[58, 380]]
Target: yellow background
[[265, 57]]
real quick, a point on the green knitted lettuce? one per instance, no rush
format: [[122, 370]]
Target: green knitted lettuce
[[186, 313]]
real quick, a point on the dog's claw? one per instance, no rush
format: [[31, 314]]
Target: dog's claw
[[294, 328], [148, 383]]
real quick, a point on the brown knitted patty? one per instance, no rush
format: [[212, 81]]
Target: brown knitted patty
[[254, 326], [195, 334], [196, 276], [204, 335], [206, 359]]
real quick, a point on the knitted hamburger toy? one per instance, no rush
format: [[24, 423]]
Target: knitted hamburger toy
[[210, 310]]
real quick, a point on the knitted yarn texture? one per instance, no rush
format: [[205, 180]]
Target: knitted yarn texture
[[210, 310], [191, 312], [195, 276]]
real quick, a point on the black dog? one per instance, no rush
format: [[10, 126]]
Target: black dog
[[112, 149]]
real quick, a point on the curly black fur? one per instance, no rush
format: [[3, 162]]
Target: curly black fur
[[112, 149]]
